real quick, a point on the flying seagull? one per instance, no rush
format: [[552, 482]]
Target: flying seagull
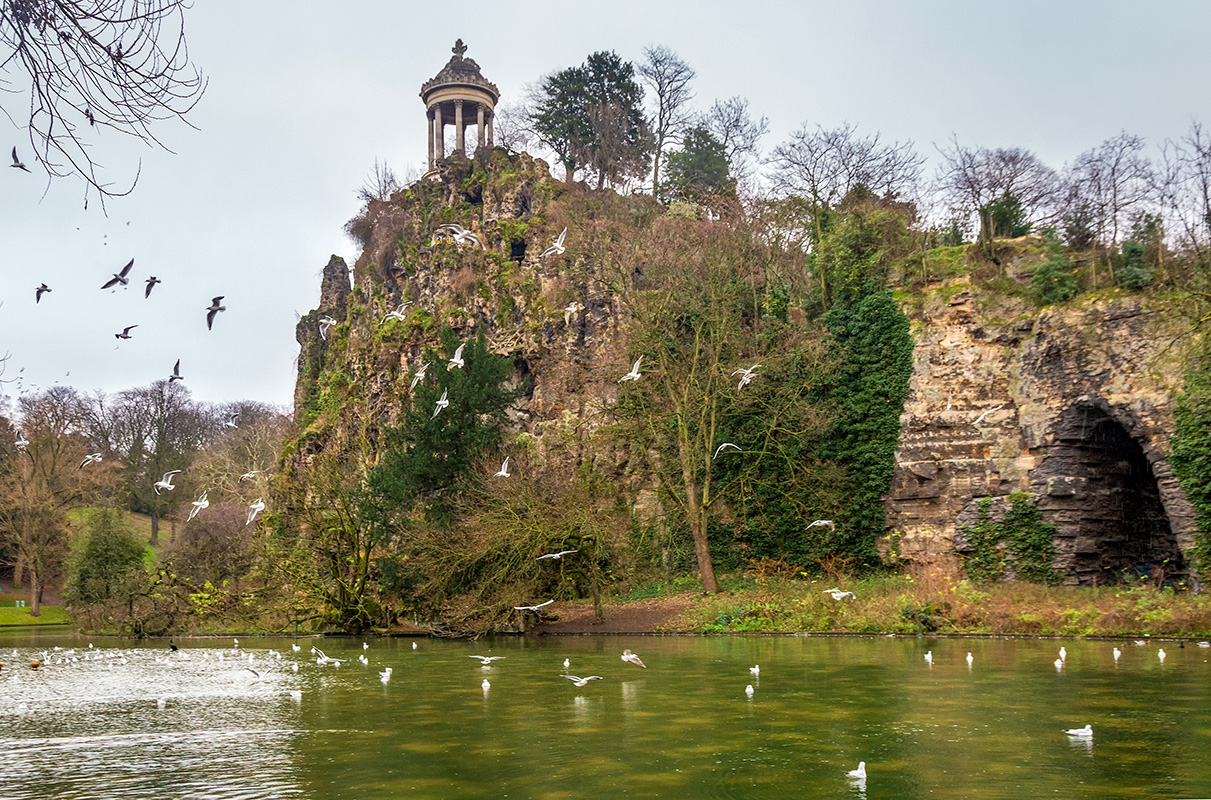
[[504, 469], [457, 361], [557, 248], [151, 284], [747, 374], [487, 659], [980, 418], [41, 290], [420, 375], [17, 161], [533, 608], [824, 523], [250, 474], [581, 681], [397, 313], [254, 507], [467, 237], [441, 403], [837, 594], [214, 309], [21, 442], [91, 458], [176, 372], [230, 423], [165, 482], [558, 555], [326, 324], [627, 655], [120, 277], [198, 505], [720, 447], [633, 375], [572, 308], [125, 334]]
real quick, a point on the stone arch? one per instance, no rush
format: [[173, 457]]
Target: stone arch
[[1111, 497]]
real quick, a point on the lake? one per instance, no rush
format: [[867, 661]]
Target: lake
[[129, 719]]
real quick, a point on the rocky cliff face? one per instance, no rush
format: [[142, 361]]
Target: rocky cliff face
[[1071, 404]]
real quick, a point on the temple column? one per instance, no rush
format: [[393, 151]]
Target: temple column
[[479, 130], [460, 144], [491, 117], [439, 136], [429, 126]]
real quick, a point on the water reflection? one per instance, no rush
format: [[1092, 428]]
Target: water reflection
[[89, 724]]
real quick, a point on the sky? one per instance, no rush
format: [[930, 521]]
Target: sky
[[303, 96]]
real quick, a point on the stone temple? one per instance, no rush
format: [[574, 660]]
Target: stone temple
[[461, 96]]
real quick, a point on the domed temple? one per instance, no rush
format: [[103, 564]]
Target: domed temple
[[461, 96]]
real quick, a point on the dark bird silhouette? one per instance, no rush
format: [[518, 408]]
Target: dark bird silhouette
[[120, 277], [41, 290], [17, 162], [125, 334], [176, 372], [214, 309], [151, 284], [172, 646]]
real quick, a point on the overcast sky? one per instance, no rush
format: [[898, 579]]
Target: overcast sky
[[303, 96]]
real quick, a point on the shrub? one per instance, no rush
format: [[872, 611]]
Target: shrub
[[109, 562], [1053, 281]]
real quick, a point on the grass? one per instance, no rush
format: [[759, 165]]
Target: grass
[[946, 604], [51, 615]]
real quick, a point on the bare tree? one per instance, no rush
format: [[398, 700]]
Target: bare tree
[[380, 184], [1111, 181], [92, 64], [824, 165], [669, 78], [511, 126], [1182, 186], [730, 122]]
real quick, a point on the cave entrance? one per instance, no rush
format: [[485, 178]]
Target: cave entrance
[[1101, 494]]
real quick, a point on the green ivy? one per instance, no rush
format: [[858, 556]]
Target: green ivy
[[1191, 454], [1020, 538]]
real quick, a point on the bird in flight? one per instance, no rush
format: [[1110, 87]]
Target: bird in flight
[[21, 442], [581, 681], [165, 482], [214, 309], [247, 476], [326, 324], [120, 277], [503, 472], [557, 248], [824, 523], [837, 594], [17, 161], [198, 505], [572, 308], [533, 608], [176, 372], [747, 374], [91, 458], [125, 334], [230, 423], [720, 448], [627, 655], [980, 418], [41, 290], [633, 375], [441, 403], [420, 375], [397, 313], [487, 659], [254, 508], [151, 284], [558, 555], [457, 361]]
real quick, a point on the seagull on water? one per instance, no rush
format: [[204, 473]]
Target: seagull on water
[[558, 555], [120, 277], [215, 307], [198, 505], [570, 311], [91, 458], [326, 324], [1063, 654], [41, 290], [755, 670], [1084, 733], [581, 681], [254, 508], [970, 659], [457, 361], [420, 375], [633, 375], [503, 472], [627, 655], [719, 449], [487, 660], [824, 523], [165, 482], [980, 418], [929, 658], [441, 403], [1161, 654], [125, 334], [485, 686], [837, 594], [17, 162], [151, 284], [533, 608], [557, 248], [398, 313], [1117, 654], [858, 774]]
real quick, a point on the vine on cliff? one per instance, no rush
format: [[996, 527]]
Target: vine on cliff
[[1191, 453]]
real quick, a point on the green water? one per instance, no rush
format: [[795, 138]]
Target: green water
[[682, 728]]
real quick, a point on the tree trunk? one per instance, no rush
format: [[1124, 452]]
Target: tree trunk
[[155, 524], [35, 592], [702, 551]]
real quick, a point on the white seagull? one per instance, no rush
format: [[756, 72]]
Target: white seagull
[[21, 442], [858, 774], [747, 376], [970, 659], [91, 458], [558, 555], [557, 248], [254, 508], [230, 423], [1063, 654], [17, 162], [176, 372], [326, 324], [215, 307], [574, 307], [487, 660], [837, 594], [165, 482], [633, 375], [929, 658], [503, 472], [755, 670], [420, 375], [748, 690], [1084, 733], [441, 403], [125, 334], [1059, 665], [457, 361], [119, 277], [533, 608], [825, 523], [1161, 654], [198, 505], [627, 655], [720, 449], [247, 476], [980, 418], [1117, 653], [581, 681], [43, 289], [397, 313]]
